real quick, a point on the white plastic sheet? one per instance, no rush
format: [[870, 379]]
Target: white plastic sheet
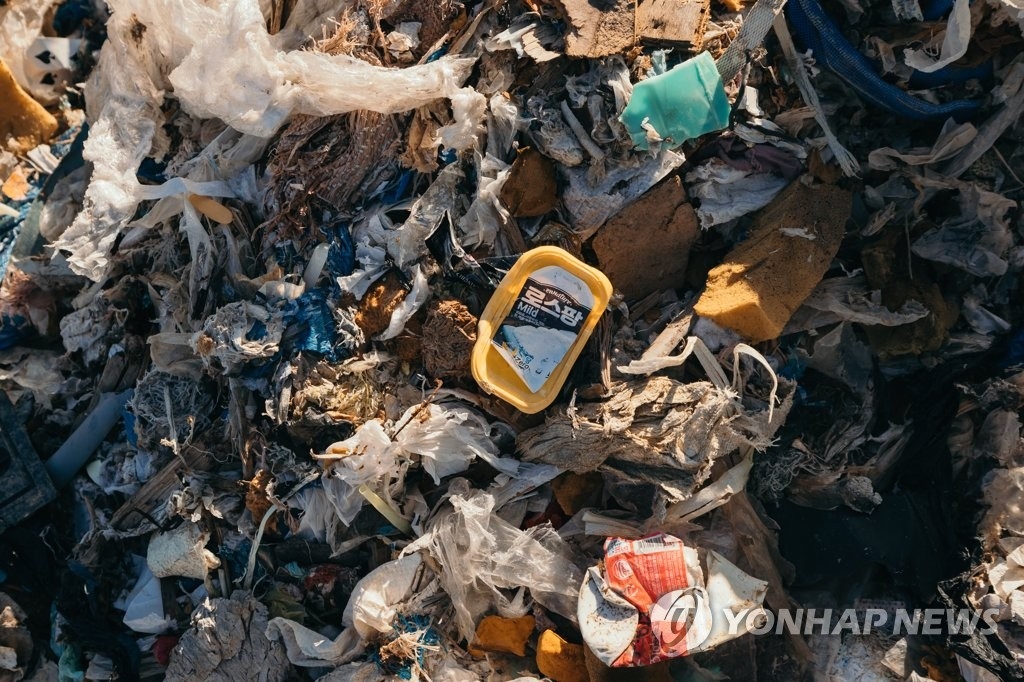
[[954, 42], [309, 649], [487, 563], [259, 86], [951, 140], [372, 608], [447, 439], [727, 193], [408, 307], [219, 62]]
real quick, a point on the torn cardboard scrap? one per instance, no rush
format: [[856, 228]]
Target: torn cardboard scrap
[[659, 228]]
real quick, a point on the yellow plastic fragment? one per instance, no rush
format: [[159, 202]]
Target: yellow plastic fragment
[[212, 209], [561, 660]]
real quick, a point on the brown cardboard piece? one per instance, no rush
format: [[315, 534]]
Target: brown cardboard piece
[[646, 246]]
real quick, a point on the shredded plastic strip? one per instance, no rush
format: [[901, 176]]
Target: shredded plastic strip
[[737, 377], [250, 566], [715, 495], [386, 510], [846, 160]]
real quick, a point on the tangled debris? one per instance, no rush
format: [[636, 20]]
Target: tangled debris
[[509, 340]]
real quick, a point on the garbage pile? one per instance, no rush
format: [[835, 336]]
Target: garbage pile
[[510, 339]]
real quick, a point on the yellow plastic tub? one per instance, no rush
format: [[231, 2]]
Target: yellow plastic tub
[[535, 326]]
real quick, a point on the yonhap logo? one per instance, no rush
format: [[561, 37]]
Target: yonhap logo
[[896, 622], [681, 620]]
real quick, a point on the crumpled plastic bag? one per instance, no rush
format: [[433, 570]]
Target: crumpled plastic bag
[[370, 612], [309, 649], [371, 609], [848, 299], [485, 216], [591, 203], [219, 62], [239, 333], [368, 458], [977, 241], [445, 439], [260, 85], [727, 193], [144, 607], [469, 108], [952, 138], [406, 243], [482, 557]]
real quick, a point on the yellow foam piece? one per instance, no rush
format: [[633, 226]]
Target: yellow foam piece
[[24, 123], [766, 277], [503, 635], [560, 660]]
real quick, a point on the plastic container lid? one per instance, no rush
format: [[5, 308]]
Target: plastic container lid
[[535, 326]]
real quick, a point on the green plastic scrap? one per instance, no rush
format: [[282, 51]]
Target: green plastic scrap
[[678, 105]]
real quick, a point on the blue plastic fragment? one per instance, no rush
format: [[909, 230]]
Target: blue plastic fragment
[[341, 254], [286, 255], [13, 330], [312, 314], [129, 426], [257, 331], [396, 190]]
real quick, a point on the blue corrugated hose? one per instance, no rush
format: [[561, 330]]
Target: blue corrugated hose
[[936, 9], [816, 31]]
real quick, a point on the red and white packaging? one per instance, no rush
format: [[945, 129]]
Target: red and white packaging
[[653, 602]]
